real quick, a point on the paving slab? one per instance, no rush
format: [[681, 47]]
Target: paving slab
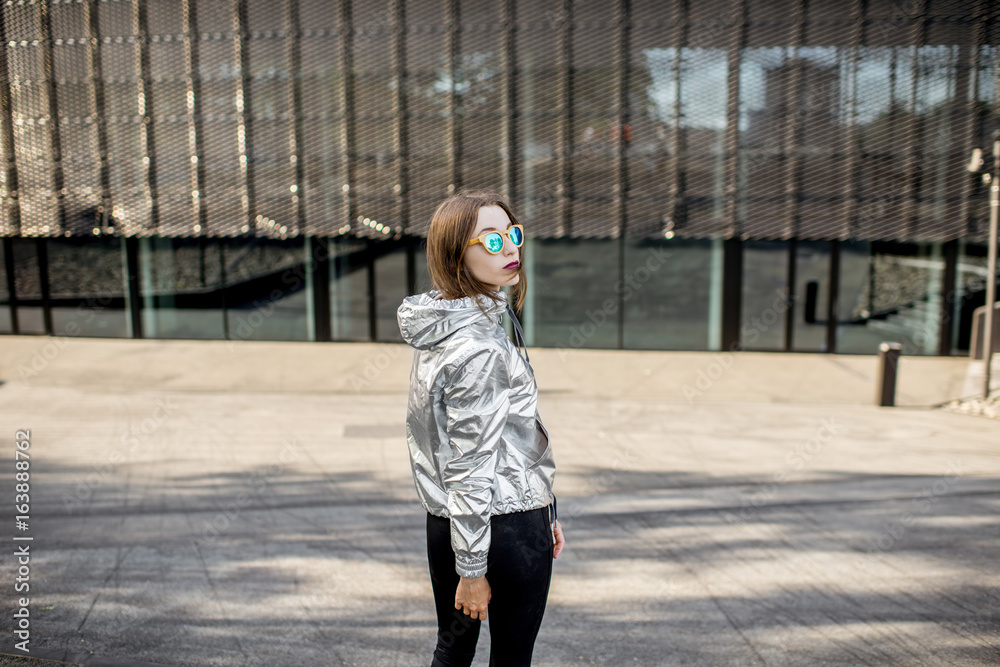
[[197, 503]]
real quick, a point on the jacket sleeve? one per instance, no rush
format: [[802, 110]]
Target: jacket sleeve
[[477, 401]]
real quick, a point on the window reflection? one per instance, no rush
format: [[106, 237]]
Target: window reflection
[[180, 288], [666, 294], [900, 300], [87, 287], [765, 295], [349, 289], [571, 283]]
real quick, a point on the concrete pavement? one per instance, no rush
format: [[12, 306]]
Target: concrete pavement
[[202, 503]]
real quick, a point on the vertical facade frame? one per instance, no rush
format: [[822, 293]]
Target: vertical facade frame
[[42, 248], [732, 292], [411, 263], [676, 217], [95, 89], [192, 80], [509, 152], [8, 257], [833, 304], [453, 116], [9, 185], [622, 119], [133, 296], [296, 136], [975, 111], [852, 142], [949, 251], [914, 128], [144, 107], [319, 254], [372, 253], [794, 122], [623, 30], [52, 99], [564, 128], [737, 38], [791, 273], [348, 150], [244, 112], [400, 112]]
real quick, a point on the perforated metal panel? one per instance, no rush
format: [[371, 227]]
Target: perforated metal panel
[[757, 119]]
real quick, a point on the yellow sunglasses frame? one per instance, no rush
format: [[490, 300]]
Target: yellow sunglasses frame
[[506, 232]]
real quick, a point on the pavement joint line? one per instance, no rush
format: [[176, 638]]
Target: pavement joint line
[[68, 657]]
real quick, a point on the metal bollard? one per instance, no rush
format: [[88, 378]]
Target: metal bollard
[[888, 363]]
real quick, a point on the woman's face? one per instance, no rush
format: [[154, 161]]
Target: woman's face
[[499, 269]]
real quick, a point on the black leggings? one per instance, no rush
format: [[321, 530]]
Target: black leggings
[[519, 569]]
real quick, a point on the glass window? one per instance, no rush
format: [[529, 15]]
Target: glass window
[[666, 293], [812, 293], [704, 81], [900, 301], [424, 282], [970, 293], [390, 288], [267, 294], [569, 292], [28, 286], [349, 289], [765, 295], [180, 287], [87, 287], [6, 325]]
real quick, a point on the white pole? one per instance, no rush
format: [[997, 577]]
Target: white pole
[[991, 271]]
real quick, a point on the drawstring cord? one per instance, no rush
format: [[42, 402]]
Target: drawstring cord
[[518, 334]]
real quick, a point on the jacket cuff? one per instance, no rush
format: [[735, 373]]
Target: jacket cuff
[[470, 568]]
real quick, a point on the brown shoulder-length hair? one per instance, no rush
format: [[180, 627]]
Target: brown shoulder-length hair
[[451, 227]]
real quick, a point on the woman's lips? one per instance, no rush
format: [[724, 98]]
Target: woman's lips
[[512, 265]]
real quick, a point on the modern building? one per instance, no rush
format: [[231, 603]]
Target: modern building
[[768, 175]]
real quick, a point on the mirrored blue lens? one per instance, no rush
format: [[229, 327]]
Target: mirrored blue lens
[[494, 242]]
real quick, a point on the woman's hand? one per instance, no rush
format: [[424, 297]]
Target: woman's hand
[[474, 595], [557, 532]]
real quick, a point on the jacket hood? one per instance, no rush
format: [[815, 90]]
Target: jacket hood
[[424, 320]]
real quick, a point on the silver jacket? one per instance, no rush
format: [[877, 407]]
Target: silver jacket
[[477, 445]]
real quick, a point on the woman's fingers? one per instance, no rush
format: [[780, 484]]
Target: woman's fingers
[[472, 612], [560, 540], [473, 600]]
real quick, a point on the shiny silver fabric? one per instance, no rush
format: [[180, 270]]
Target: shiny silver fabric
[[477, 445]]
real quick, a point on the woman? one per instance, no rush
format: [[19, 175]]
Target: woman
[[481, 459]]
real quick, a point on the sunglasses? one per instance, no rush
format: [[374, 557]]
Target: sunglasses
[[493, 241]]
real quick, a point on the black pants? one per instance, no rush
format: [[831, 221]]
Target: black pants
[[519, 570]]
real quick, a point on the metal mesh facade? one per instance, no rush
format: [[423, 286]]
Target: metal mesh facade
[[753, 120]]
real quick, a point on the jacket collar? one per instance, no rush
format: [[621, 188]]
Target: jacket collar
[[425, 319]]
